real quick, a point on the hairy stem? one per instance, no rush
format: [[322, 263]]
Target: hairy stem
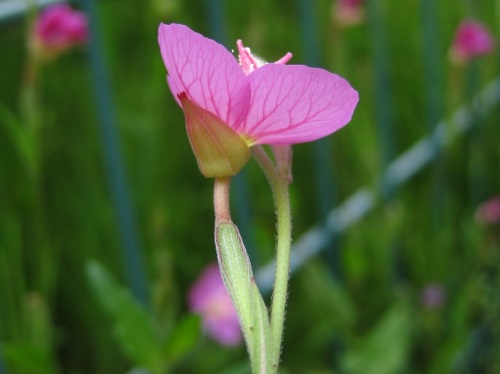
[[279, 185]]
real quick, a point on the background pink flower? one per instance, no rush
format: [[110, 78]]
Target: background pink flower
[[59, 28], [433, 296], [472, 39], [209, 298], [349, 12], [489, 211]]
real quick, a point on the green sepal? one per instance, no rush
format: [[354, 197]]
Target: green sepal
[[220, 151], [261, 355]]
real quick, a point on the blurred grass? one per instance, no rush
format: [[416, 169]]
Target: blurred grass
[[54, 221]]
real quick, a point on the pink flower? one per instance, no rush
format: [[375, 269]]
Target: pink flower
[[58, 28], [472, 39], [349, 12], [489, 211], [209, 298], [260, 103], [433, 296]]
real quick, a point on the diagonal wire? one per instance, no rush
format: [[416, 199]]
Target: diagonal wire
[[397, 172], [15, 8], [383, 91]]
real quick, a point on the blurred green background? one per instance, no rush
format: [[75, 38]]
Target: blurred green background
[[72, 300]]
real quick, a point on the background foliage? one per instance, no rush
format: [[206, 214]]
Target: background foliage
[[66, 303]]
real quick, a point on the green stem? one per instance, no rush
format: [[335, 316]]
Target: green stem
[[279, 185]]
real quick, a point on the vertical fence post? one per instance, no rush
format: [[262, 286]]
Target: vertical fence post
[[433, 82], [382, 86], [134, 268], [384, 115], [472, 79], [323, 166], [433, 72], [3, 369]]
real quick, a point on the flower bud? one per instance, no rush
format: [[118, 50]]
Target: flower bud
[[57, 29], [237, 275], [472, 40]]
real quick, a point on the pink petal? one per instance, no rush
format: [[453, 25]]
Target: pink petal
[[294, 104], [206, 71]]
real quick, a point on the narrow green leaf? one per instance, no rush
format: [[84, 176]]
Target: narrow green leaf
[[24, 357], [183, 338], [19, 137], [385, 348], [132, 324]]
